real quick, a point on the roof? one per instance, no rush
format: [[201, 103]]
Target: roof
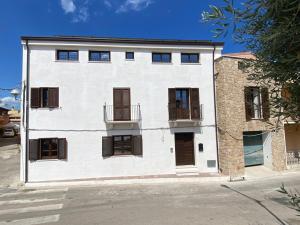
[[240, 55], [122, 40]]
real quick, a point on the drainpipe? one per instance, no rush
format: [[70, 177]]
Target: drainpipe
[[27, 113], [215, 107]]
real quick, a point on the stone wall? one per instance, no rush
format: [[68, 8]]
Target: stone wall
[[230, 83]]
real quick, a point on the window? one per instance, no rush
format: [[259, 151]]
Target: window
[[69, 55], [47, 148], [44, 97], [129, 55], [189, 58], [184, 104], [95, 56], [161, 57], [257, 103], [241, 65], [182, 99], [122, 145]]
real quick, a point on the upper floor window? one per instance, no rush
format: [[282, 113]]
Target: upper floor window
[[71, 55], [44, 97], [129, 55], [257, 103], [161, 57], [189, 58], [99, 56], [184, 104]]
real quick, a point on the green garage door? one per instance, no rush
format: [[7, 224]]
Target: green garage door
[[253, 148]]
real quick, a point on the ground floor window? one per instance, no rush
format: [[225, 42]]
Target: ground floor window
[[122, 145], [49, 148]]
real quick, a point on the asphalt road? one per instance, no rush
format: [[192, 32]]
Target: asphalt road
[[239, 203]]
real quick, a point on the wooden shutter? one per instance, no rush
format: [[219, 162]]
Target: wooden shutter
[[172, 104], [137, 145], [53, 98], [35, 98], [265, 103], [107, 146], [248, 103], [62, 148], [195, 104], [34, 149], [122, 107]]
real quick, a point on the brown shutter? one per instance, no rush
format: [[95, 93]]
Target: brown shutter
[[35, 98], [137, 145], [122, 107], [265, 103], [248, 103], [62, 148], [195, 104], [34, 149], [172, 104], [53, 98], [107, 146], [126, 104]]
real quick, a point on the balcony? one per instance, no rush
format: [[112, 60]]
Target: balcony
[[185, 116], [130, 115]]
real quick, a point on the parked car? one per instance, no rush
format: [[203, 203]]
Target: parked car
[[9, 132]]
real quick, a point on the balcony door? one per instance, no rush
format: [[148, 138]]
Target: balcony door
[[182, 104], [122, 104]]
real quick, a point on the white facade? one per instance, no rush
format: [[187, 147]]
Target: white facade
[[85, 87]]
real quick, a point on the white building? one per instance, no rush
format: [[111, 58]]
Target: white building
[[109, 107]]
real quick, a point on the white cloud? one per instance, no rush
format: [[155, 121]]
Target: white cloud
[[107, 3], [68, 6], [82, 15], [135, 5], [7, 101]]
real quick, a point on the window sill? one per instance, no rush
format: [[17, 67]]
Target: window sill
[[67, 61], [99, 61], [49, 160], [46, 108], [130, 60], [162, 63], [191, 63]]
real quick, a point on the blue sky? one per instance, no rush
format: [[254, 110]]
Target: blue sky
[[170, 19]]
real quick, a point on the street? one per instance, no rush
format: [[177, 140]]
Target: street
[[171, 203], [252, 202]]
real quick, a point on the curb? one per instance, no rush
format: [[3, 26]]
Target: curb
[[140, 181]]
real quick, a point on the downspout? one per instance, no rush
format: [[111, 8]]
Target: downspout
[[27, 113], [215, 107]]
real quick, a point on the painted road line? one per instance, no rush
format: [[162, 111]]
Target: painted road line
[[32, 221], [28, 201], [31, 209], [34, 192]]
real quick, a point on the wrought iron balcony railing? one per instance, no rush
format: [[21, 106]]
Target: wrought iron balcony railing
[[113, 114], [189, 114]]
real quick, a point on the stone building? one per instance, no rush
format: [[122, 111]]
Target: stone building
[[246, 134]]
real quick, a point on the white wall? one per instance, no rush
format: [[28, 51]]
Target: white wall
[[86, 86]]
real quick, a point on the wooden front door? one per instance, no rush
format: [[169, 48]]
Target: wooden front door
[[122, 106], [184, 149]]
